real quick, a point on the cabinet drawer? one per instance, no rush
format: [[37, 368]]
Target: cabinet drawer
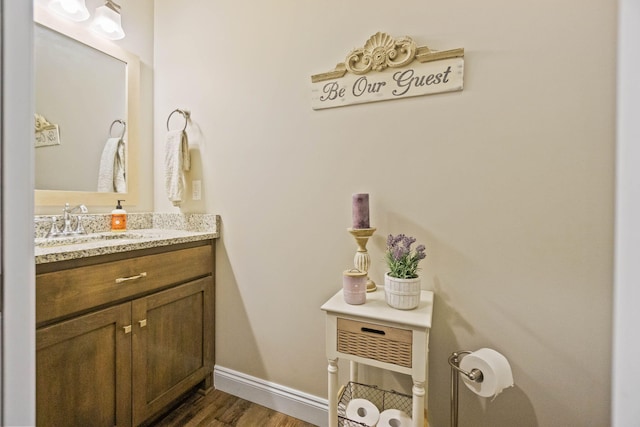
[[61, 293], [376, 342]]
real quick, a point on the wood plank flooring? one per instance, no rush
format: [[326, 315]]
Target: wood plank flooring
[[220, 409]]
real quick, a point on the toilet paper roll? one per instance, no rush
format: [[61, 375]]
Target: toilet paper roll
[[394, 418], [363, 411], [496, 372]]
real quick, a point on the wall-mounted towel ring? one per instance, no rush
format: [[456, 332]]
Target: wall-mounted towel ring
[[124, 128], [186, 114]]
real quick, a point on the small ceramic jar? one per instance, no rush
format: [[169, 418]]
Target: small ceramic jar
[[354, 286]]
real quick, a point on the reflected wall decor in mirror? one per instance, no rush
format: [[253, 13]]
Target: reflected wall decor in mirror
[[87, 96]]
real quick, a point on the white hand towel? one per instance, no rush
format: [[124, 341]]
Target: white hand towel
[[111, 175], [176, 161]]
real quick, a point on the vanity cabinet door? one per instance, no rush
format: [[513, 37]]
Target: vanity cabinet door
[[83, 370], [172, 345]]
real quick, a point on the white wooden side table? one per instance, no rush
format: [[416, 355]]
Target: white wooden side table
[[378, 335]]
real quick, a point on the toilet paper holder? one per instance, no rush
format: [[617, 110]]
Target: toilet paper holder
[[454, 360], [474, 375]]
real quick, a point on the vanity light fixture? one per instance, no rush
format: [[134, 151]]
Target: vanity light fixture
[[107, 21], [76, 10]]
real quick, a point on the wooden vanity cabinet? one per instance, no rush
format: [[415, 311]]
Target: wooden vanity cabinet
[[168, 350], [117, 354], [83, 370]]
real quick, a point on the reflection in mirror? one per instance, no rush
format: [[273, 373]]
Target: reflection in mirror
[[82, 92], [86, 90]]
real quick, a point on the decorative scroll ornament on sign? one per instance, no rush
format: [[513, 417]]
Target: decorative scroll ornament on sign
[[379, 52], [403, 70]]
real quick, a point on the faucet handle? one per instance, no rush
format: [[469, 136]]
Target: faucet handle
[[79, 227], [54, 230]]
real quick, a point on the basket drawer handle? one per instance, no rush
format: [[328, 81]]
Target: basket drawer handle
[[372, 331]]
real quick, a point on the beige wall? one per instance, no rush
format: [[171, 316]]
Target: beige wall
[[509, 183]]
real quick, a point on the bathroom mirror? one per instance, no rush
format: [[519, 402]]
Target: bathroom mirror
[[87, 86]]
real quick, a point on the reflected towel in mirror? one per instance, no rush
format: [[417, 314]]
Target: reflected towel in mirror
[[111, 175], [176, 161]]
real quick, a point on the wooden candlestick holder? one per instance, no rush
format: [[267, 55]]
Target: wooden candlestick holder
[[362, 260]]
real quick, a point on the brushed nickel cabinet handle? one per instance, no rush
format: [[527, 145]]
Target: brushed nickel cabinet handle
[[126, 279], [142, 323], [127, 329]]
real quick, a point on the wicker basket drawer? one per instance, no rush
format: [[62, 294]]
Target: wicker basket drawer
[[375, 342]]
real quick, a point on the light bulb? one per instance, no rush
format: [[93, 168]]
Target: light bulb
[[70, 6], [107, 23], [76, 10]]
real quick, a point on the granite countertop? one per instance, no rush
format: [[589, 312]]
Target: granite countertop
[[143, 231]]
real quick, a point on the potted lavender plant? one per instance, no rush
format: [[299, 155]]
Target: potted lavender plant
[[402, 282]]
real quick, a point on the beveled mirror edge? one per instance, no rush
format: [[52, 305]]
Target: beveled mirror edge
[[59, 198]]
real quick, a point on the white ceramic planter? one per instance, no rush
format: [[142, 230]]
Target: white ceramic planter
[[403, 294]]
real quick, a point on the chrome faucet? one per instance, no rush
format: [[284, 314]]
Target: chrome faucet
[[67, 217], [66, 212]]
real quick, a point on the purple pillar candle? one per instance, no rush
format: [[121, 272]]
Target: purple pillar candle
[[360, 210]]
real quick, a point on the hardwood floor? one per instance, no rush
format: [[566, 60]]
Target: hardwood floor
[[220, 409]]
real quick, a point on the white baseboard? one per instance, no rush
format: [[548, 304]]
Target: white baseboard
[[295, 403]]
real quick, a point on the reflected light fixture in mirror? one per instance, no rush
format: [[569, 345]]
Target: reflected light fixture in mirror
[[107, 21], [76, 10]]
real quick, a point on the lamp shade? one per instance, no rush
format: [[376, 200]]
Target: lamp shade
[[76, 10], [107, 22]]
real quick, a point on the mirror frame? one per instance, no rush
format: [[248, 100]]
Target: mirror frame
[[82, 35]]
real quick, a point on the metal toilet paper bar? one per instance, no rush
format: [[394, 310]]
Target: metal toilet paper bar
[[474, 375]]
